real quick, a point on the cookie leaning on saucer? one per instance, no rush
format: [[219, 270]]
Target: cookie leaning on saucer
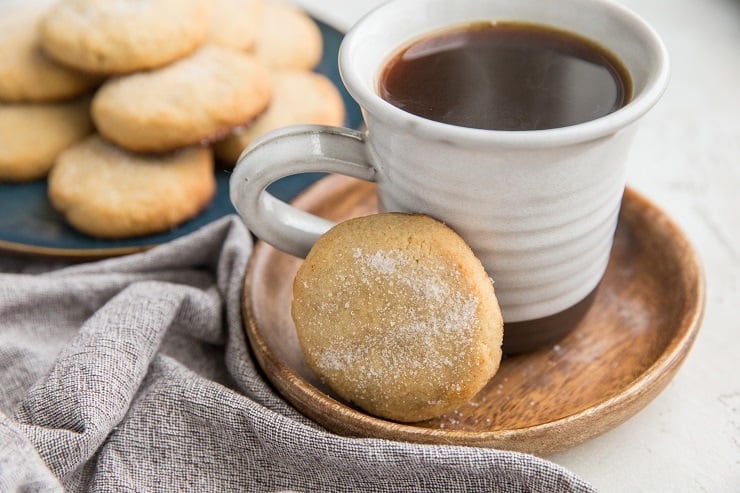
[[299, 97], [32, 135], [396, 314], [26, 74], [107, 192], [288, 38], [195, 100], [122, 36]]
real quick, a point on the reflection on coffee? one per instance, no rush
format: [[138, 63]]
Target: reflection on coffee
[[506, 76]]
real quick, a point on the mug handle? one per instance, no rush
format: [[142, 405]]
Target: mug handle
[[285, 152]]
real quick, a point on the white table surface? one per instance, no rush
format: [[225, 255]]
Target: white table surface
[[687, 160]]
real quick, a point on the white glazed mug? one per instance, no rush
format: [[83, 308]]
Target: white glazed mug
[[539, 208]]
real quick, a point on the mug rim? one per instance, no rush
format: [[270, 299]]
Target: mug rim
[[370, 101]]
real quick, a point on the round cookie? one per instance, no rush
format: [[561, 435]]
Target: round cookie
[[396, 314], [195, 100], [288, 38], [122, 36], [299, 97], [234, 23], [106, 192], [26, 74], [32, 135]]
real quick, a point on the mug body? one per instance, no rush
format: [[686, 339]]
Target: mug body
[[539, 207], [540, 220]]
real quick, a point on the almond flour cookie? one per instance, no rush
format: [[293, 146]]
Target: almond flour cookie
[[288, 38], [234, 23], [299, 97], [122, 36], [107, 192], [32, 135], [195, 100], [26, 74], [396, 314]]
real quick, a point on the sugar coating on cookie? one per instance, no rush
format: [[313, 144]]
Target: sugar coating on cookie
[[121, 36], [26, 74], [288, 37], [396, 314], [32, 135], [192, 101], [299, 97], [235, 23], [107, 192]]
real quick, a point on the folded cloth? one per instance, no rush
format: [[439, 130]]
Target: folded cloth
[[134, 374]]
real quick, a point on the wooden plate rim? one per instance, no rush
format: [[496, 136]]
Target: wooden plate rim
[[554, 435]]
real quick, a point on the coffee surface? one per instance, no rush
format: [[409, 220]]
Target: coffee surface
[[506, 76]]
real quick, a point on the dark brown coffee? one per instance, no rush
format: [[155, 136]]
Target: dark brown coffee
[[506, 76]]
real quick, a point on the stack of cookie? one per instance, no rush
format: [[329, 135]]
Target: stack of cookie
[[42, 105], [123, 103]]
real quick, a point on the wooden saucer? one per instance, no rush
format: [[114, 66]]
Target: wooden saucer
[[644, 319]]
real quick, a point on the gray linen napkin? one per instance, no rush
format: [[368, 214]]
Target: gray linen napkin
[[133, 374]]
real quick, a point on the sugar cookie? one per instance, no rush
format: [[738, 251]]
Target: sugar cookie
[[396, 314], [234, 23], [299, 97], [32, 135], [122, 36], [26, 74], [288, 38], [107, 192], [195, 100]]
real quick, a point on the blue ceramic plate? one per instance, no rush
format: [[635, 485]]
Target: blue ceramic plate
[[29, 224]]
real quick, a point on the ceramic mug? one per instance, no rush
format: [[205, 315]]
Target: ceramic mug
[[539, 208]]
